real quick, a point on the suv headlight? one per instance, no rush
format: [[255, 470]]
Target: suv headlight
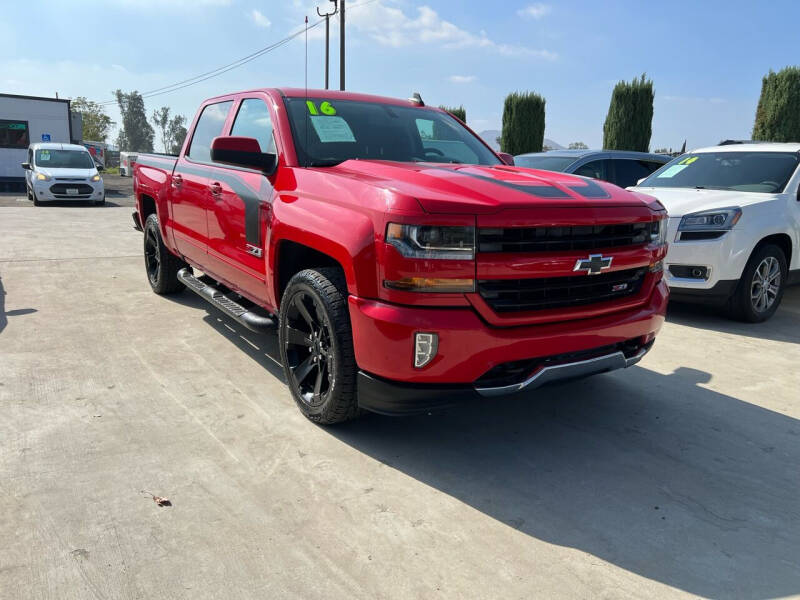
[[95, 178], [432, 241], [42, 177], [714, 220]]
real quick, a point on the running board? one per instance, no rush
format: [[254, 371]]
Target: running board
[[253, 321]]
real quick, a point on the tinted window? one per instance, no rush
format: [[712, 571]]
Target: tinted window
[[253, 121], [64, 159], [548, 163], [209, 126], [766, 172], [329, 132], [14, 134], [596, 169], [628, 171]]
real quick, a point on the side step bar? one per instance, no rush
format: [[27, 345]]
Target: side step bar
[[248, 318]]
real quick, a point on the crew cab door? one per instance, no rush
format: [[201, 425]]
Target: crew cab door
[[189, 192], [241, 201]]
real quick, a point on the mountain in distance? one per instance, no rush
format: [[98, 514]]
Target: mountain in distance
[[490, 137]]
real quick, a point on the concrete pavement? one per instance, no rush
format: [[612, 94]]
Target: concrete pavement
[[676, 478]]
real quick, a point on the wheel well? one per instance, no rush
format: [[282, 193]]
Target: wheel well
[[782, 241], [294, 257], [148, 207]]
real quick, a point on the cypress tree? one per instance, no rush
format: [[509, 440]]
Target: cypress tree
[[629, 121], [523, 123], [778, 112]]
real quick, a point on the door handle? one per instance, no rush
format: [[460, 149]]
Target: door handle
[[177, 180], [216, 189]]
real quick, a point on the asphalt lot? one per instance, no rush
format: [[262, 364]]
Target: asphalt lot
[[679, 477]]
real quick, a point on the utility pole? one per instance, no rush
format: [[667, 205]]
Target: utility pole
[[341, 47], [327, 36]]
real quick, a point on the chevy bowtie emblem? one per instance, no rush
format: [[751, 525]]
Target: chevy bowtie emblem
[[594, 264]]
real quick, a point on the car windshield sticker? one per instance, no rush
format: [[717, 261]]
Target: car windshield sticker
[[672, 171], [332, 129], [326, 108], [44, 155]]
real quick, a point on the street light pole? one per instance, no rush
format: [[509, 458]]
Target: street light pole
[[327, 37]]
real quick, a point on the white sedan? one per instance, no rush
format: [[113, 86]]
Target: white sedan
[[734, 225]]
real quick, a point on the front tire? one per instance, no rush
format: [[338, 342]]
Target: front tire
[[35, 199], [316, 344], [761, 286], [100, 202], [160, 264]]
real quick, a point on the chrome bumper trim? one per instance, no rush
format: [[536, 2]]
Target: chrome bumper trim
[[591, 366]]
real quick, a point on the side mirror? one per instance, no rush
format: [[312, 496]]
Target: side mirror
[[27, 166], [242, 152], [100, 168], [506, 158]]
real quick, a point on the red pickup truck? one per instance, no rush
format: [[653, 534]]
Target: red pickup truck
[[405, 265]]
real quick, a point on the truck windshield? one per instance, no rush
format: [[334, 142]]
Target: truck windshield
[[548, 163], [327, 133], [64, 159], [765, 172]]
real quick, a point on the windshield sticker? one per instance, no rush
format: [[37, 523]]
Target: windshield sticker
[[672, 171], [688, 161], [326, 108], [44, 155], [332, 129]]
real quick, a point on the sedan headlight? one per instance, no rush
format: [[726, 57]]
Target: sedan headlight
[[438, 242], [714, 220], [42, 177], [96, 178]]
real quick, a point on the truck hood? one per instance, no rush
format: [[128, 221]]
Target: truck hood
[[683, 201], [85, 173], [444, 188]]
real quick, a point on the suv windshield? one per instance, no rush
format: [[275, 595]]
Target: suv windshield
[[327, 133], [765, 172], [548, 163], [64, 159]]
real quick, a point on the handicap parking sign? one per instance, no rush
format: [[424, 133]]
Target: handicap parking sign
[[45, 137]]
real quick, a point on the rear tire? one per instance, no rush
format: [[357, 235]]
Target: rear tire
[[760, 289], [316, 344], [161, 265]]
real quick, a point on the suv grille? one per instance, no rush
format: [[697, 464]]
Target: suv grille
[[510, 295], [553, 239], [60, 189]]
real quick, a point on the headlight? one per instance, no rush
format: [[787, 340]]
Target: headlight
[[717, 219], [658, 232], [96, 178], [42, 177], [426, 241]]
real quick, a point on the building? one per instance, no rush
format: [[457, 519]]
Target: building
[[25, 120]]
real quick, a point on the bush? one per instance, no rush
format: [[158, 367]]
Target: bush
[[523, 123], [778, 112], [629, 123]]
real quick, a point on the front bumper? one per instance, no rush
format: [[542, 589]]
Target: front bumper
[[469, 348], [44, 192]]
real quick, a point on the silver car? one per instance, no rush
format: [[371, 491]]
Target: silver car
[[57, 172]]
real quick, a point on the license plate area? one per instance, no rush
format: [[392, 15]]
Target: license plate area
[[72, 191]]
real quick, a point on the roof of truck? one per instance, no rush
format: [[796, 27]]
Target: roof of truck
[[330, 95]]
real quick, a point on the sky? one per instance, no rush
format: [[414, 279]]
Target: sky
[[706, 58]]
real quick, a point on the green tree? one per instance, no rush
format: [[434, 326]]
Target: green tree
[[578, 146], [136, 134], [161, 121], [778, 112], [441, 132], [523, 123], [629, 121], [176, 132], [458, 112], [96, 122]]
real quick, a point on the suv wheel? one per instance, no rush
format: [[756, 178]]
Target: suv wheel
[[162, 266], [316, 344], [761, 287]]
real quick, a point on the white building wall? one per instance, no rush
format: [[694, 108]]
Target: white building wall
[[43, 117]]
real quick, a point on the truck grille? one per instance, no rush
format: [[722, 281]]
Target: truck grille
[[516, 295], [554, 239]]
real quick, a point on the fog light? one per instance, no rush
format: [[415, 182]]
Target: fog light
[[425, 347]]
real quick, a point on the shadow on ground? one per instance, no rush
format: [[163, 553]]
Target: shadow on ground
[[652, 473], [12, 313]]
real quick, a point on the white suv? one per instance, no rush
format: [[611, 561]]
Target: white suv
[[734, 225], [62, 172]]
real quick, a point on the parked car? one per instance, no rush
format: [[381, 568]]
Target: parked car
[[62, 172], [734, 225], [615, 166], [126, 162], [400, 278]]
